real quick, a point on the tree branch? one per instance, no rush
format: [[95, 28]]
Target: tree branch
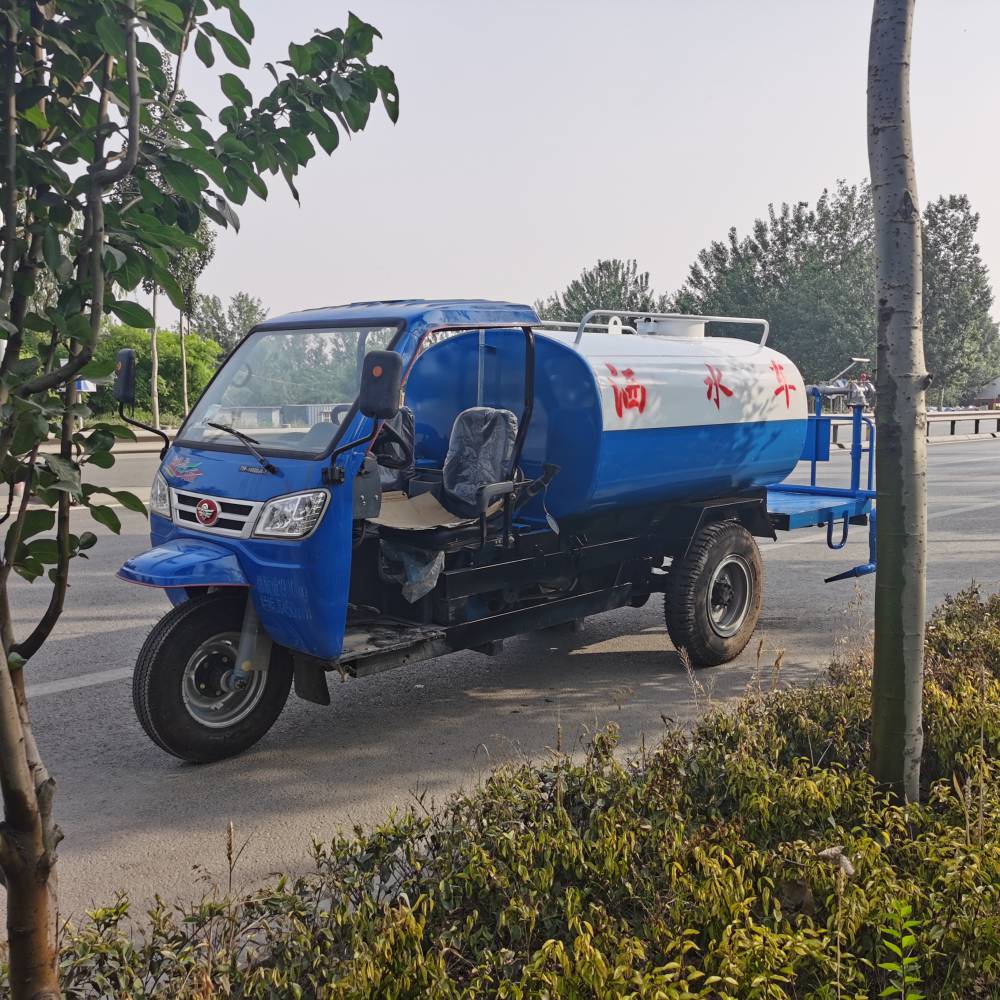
[[9, 168], [29, 646], [15, 775], [188, 25], [61, 375], [102, 177]]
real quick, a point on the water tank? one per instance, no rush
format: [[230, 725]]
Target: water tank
[[630, 420]]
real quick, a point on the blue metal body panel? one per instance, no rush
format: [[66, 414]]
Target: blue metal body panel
[[817, 446], [299, 587], [185, 562]]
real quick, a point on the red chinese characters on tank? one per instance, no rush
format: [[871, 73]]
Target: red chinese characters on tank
[[629, 395], [716, 387], [783, 385]]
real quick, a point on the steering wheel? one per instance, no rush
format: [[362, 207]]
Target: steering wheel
[[397, 439], [337, 412]]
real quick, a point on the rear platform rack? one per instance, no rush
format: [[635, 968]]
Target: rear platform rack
[[791, 506]]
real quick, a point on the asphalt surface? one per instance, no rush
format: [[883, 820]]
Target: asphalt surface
[[138, 820]]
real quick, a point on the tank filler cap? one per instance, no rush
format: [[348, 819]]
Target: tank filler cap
[[682, 328]]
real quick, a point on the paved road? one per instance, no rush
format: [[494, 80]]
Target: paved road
[[139, 820]]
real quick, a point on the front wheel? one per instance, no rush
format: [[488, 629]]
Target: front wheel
[[714, 594], [179, 690]]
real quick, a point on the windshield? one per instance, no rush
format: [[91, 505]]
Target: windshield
[[288, 389]]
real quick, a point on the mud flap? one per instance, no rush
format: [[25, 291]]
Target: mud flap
[[310, 680]]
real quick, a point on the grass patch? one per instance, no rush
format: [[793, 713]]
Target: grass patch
[[750, 858]]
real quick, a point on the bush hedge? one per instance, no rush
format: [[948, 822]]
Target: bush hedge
[[750, 858]]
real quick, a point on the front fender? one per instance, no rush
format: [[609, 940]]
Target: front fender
[[185, 562]]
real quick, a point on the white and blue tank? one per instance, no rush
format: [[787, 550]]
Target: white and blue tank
[[663, 415]]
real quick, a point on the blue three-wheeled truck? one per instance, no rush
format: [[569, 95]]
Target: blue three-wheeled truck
[[371, 485]]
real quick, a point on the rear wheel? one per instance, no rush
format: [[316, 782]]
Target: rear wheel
[[714, 594], [180, 689]]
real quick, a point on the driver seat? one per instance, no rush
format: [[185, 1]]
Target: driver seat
[[480, 456]]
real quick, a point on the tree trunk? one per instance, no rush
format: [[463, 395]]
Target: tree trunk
[[184, 367], [900, 409], [28, 840], [154, 359]]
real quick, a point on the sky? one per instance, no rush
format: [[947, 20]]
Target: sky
[[536, 136]]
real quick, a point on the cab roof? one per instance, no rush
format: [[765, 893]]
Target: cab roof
[[423, 313]]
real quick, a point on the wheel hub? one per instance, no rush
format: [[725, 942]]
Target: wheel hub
[[730, 591], [210, 697]]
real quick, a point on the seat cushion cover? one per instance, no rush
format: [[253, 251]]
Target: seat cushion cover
[[480, 453]]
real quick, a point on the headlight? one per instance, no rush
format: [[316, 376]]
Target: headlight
[[159, 497], [291, 517]]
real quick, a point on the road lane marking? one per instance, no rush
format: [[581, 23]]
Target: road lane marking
[[80, 681]]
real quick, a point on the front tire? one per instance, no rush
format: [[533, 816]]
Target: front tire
[[177, 685], [714, 594]]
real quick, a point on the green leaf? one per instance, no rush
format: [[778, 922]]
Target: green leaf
[[130, 501], [233, 88], [99, 439], [87, 540], [51, 250], [133, 314], [35, 116], [97, 369], [235, 51], [202, 159], [62, 468], [165, 7], [32, 321], [111, 35], [300, 57], [45, 550], [102, 459], [36, 521], [30, 429], [29, 569], [106, 516], [169, 284], [203, 49], [242, 24], [28, 97], [181, 179], [119, 430], [117, 257]]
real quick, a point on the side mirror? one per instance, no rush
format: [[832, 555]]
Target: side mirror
[[381, 380], [124, 389]]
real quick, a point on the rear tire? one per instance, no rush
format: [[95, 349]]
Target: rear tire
[[714, 594], [176, 686]]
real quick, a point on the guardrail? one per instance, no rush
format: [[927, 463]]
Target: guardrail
[[975, 417], [960, 423]]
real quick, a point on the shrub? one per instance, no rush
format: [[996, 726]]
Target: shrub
[[750, 858]]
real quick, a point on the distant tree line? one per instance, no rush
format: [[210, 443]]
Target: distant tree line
[[210, 332], [809, 270]]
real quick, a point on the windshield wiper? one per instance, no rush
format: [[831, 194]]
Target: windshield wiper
[[249, 442]]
